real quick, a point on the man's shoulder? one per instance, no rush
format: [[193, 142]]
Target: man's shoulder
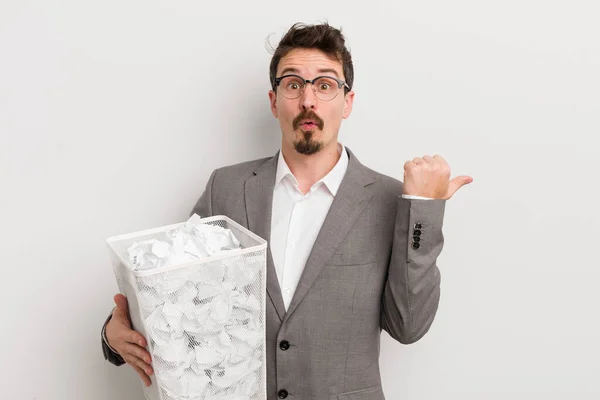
[[382, 183], [242, 170], [388, 185]]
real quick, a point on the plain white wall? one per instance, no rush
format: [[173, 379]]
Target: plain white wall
[[114, 113]]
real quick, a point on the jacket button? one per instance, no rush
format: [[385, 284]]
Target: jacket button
[[416, 239], [284, 345], [417, 232], [416, 246], [417, 226], [282, 394]]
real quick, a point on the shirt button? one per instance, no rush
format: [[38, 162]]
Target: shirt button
[[288, 290], [282, 394], [284, 345]]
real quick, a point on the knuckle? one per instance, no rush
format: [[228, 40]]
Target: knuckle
[[140, 363], [127, 350], [140, 353], [144, 368], [137, 337], [135, 351]]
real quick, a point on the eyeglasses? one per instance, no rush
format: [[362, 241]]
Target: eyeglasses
[[325, 88]]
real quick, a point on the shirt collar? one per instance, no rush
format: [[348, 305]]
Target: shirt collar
[[332, 180]]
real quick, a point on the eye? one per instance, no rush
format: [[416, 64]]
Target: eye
[[292, 84], [325, 85]]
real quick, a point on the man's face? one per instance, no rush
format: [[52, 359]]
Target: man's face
[[309, 124]]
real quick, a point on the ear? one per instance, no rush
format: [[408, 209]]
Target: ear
[[273, 101], [348, 102]]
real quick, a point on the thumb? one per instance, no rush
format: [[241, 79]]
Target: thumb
[[457, 183], [121, 302]]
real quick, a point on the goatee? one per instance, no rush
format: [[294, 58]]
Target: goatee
[[307, 146]]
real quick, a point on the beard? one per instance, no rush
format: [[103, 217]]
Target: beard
[[306, 145]]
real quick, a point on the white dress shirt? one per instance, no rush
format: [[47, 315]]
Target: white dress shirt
[[297, 219]]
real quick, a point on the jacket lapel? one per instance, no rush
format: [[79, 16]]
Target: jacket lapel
[[258, 191], [349, 202]]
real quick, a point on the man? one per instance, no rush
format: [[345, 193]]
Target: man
[[351, 251]]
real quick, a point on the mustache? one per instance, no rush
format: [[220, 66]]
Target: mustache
[[307, 115]]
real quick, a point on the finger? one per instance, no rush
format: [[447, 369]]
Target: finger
[[462, 180], [134, 337], [418, 160], [142, 374], [429, 160], [409, 164], [439, 158], [138, 352], [458, 182], [439, 161], [121, 302], [137, 362], [121, 313]]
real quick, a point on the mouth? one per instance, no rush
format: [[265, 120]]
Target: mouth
[[308, 125]]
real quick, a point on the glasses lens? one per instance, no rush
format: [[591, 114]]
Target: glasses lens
[[326, 88], [291, 87]]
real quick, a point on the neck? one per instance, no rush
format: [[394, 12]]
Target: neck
[[310, 169]]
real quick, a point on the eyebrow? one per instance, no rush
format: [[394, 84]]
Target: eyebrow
[[321, 71]]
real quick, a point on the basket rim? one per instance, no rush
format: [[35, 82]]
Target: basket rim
[[216, 257]]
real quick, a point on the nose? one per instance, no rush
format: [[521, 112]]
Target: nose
[[308, 100]]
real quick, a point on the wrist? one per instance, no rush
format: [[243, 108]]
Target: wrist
[[104, 337]]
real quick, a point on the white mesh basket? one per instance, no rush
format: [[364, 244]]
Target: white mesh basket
[[204, 320]]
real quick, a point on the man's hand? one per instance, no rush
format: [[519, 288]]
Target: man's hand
[[430, 177], [128, 343]]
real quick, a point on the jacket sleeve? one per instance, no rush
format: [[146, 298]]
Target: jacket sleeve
[[109, 354], [412, 289]]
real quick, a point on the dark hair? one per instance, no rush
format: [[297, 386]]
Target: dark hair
[[322, 37]]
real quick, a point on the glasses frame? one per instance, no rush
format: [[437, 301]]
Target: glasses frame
[[340, 83]]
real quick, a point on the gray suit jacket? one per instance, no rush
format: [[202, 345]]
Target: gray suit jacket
[[373, 267]]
